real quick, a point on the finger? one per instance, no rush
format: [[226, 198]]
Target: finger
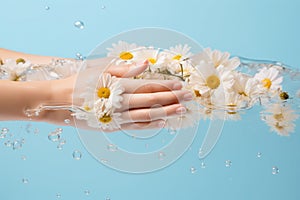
[[128, 70], [144, 125], [131, 101], [149, 86], [150, 114]]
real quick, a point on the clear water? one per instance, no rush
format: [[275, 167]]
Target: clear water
[[249, 162]]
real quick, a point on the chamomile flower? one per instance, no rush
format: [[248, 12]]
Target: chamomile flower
[[122, 51], [155, 57], [179, 52], [207, 79], [217, 58], [178, 60], [269, 79], [15, 69], [106, 116], [280, 118], [107, 87], [245, 86]]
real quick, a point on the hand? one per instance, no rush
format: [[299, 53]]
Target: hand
[[145, 105]]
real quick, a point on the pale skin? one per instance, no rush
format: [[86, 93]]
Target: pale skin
[[137, 106]]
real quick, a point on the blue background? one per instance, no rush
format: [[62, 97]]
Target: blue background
[[257, 28]]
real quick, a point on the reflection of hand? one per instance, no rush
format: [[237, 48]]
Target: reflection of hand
[[140, 103]]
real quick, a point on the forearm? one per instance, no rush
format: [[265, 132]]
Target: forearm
[[18, 96], [8, 54]]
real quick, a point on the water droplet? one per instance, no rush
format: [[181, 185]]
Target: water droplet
[[79, 56], [103, 7], [61, 143], [258, 155], [59, 130], [87, 192], [54, 136], [47, 8], [200, 153], [77, 155], [203, 165], [4, 130], [8, 143], [28, 128], [79, 24], [36, 131], [172, 131], [17, 144], [2, 135], [23, 157], [59, 147], [58, 195], [112, 147], [193, 170], [25, 180], [67, 121], [161, 155], [275, 170], [228, 163]]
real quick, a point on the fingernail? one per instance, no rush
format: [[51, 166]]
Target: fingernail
[[177, 86], [162, 124], [188, 97], [180, 110]]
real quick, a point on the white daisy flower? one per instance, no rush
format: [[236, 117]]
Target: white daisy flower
[[177, 58], [280, 118], [105, 115], [157, 60], [107, 87], [16, 69], [122, 51], [245, 86], [217, 58], [179, 52], [269, 79], [207, 79]]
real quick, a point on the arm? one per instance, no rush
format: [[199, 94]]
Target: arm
[[137, 106]]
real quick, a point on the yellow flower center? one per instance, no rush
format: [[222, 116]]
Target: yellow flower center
[[267, 83], [278, 117], [177, 57], [20, 60], [16, 78], [243, 94], [213, 81], [125, 55], [152, 60], [87, 108], [105, 119], [278, 126], [103, 92], [197, 93]]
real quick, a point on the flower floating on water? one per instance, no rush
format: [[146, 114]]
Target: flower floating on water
[[280, 118]]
